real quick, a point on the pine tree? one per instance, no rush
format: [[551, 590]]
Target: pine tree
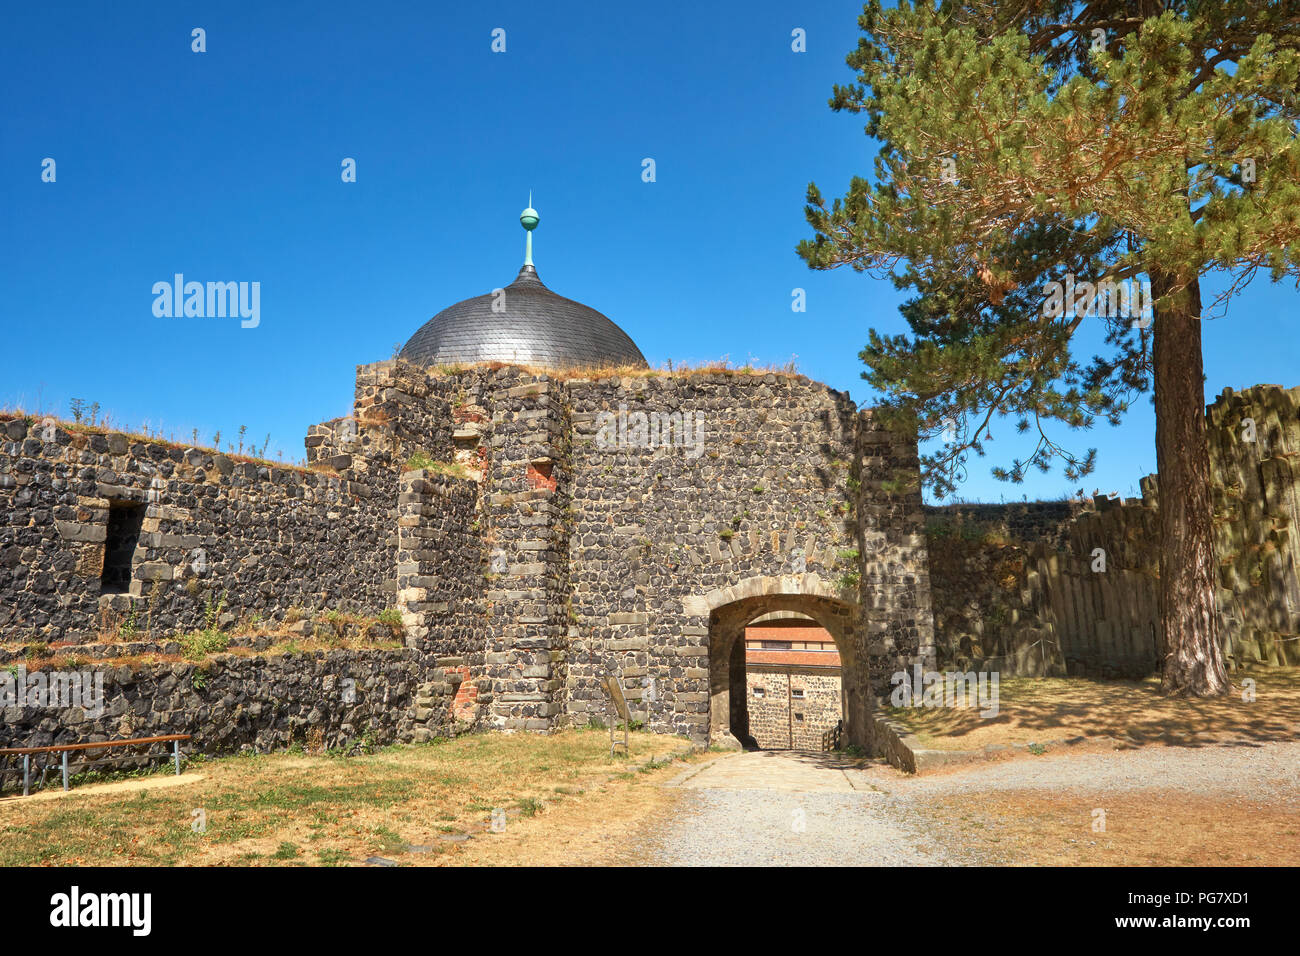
[[1091, 144]]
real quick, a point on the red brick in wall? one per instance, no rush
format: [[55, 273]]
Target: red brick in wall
[[540, 477], [463, 705]]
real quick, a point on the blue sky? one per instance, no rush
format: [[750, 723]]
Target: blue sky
[[225, 166]]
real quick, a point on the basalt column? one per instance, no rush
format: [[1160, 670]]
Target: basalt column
[[528, 544]]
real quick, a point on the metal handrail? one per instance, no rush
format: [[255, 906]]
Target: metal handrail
[[27, 752]]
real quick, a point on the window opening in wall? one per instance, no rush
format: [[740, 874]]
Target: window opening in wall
[[758, 691], [797, 693], [541, 475], [777, 646], [124, 522]]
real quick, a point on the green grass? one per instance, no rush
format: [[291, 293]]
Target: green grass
[[291, 809]]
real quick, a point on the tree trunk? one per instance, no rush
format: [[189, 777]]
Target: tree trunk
[[1193, 659]]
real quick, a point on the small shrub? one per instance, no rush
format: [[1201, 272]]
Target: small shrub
[[390, 619], [419, 461], [197, 645], [331, 627], [127, 631]]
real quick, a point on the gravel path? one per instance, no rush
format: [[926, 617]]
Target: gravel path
[[761, 828], [1267, 769], [782, 808], [790, 809]]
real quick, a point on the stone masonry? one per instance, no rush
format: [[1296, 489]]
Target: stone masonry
[[529, 551], [1022, 589], [536, 533], [790, 707]]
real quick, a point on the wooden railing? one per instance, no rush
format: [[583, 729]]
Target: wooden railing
[[34, 755]]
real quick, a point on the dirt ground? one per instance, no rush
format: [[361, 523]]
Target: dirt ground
[[1033, 710], [1149, 828]]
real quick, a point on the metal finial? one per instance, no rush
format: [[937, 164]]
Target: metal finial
[[529, 220]]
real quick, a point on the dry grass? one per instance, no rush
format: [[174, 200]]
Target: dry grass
[[38, 662], [451, 469], [721, 367], [606, 825], [330, 631], [1035, 710], [1149, 828], [84, 428], [296, 645], [287, 809]]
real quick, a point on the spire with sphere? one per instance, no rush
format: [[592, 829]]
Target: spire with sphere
[[529, 220]]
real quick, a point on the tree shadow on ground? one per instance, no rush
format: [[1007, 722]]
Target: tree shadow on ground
[[1042, 709]]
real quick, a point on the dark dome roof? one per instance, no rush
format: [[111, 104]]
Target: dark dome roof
[[534, 327]]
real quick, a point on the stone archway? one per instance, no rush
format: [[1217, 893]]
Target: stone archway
[[731, 609]]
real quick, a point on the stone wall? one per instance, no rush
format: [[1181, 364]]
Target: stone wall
[[778, 719], [616, 557], [1026, 522], [980, 555], [1256, 510], [528, 556], [529, 515], [440, 565], [336, 699], [673, 550], [1045, 606], [532, 551], [894, 586], [254, 538]]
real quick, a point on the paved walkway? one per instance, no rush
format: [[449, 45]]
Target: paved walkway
[[787, 770]]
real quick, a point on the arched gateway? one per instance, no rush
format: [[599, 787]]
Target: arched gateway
[[731, 609]]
